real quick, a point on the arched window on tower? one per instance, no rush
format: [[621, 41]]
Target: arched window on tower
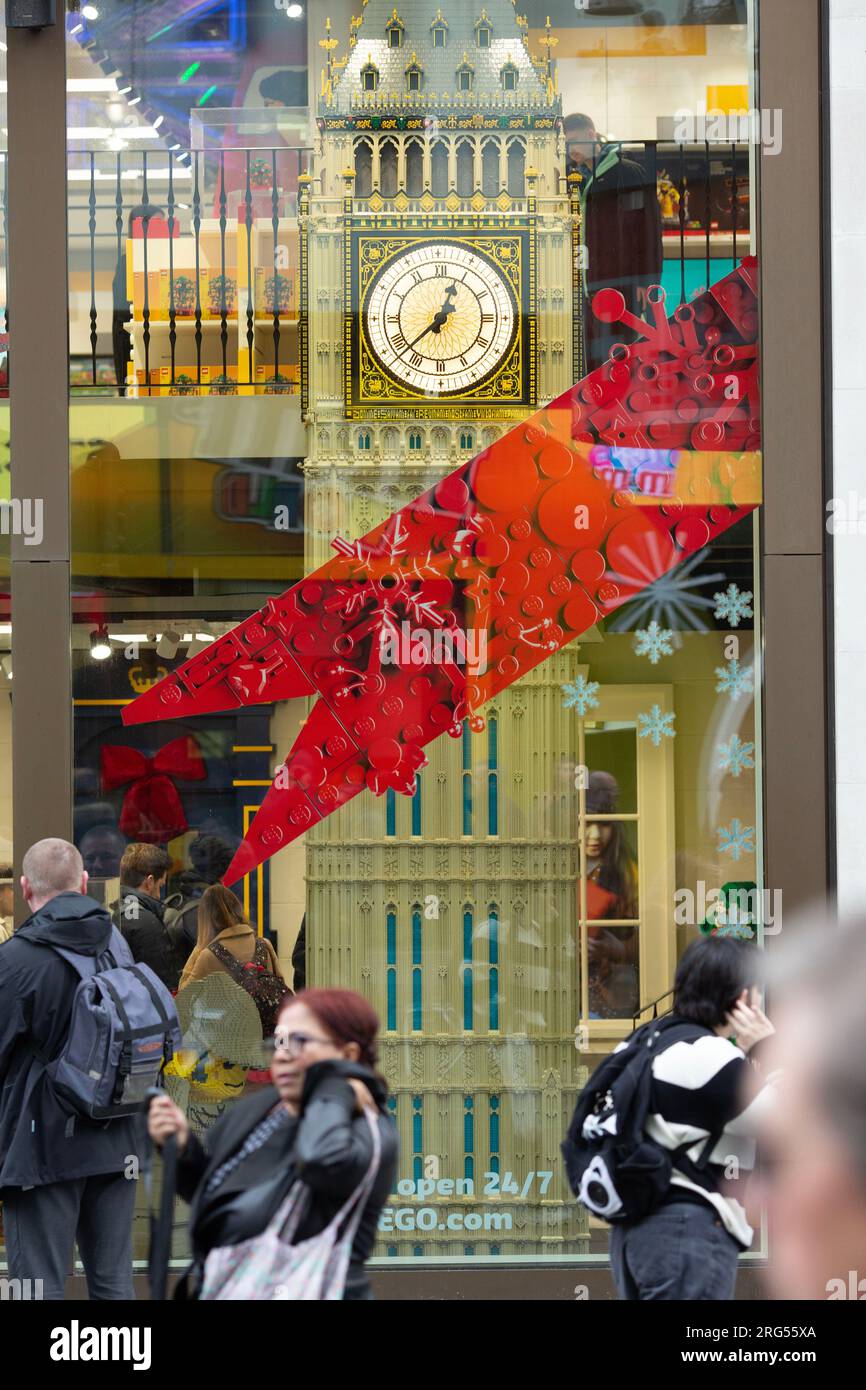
[[465, 75], [517, 168], [414, 169], [483, 30], [414, 75], [363, 169], [394, 31], [439, 31], [490, 168], [465, 169], [388, 168], [439, 169]]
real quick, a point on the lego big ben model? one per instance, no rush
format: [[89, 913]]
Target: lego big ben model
[[439, 295]]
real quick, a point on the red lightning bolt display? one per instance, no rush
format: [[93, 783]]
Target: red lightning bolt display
[[409, 630]]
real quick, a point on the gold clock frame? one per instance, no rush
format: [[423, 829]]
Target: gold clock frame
[[510, 243]]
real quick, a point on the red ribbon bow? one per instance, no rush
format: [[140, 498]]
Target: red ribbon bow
[[152, 810]]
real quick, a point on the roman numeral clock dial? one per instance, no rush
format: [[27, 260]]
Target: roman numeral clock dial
[[440, 319]]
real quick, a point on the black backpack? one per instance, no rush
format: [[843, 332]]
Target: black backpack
[[266, 989], [613, 1169]]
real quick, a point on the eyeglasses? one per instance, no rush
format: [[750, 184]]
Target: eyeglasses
[[293, 1044]]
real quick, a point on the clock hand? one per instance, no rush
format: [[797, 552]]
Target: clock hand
[[440, 318]]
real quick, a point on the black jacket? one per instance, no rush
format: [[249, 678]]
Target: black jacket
[[41, 1139], [180, 915], [328, 1146], [622, 225], [140, 918]]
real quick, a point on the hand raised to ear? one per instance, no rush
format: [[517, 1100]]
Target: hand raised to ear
[[749, 1024]]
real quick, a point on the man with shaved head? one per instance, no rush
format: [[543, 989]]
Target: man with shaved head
[[64, 1179]]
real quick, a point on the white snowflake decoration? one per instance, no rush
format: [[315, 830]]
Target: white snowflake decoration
[[736, 839], [733, 605], [656, 726], [654, 642], [734, 680], [735, 756], [581, 695]]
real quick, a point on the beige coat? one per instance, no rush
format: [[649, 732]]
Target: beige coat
[[240, 940]]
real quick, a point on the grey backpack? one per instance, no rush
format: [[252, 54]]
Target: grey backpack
[[123, 1030]]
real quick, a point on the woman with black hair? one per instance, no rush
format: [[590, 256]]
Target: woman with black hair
[[611, 892], [706, 1102]]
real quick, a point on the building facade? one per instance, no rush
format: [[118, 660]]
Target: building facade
[[342, 294]]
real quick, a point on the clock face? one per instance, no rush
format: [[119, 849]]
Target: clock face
[[440, 318]]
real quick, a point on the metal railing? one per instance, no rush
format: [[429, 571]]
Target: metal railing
[[184, 266], [184, 272]]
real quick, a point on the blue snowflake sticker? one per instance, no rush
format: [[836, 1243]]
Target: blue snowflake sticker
[[735, 756], [581, 695], [736, 839], [734, 680], [733, 605], [656, 726], [654, 642]]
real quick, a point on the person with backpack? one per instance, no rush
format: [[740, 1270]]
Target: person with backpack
[[84, 1032], [287, 1188], [209, 857], [663, 1123], [227, 942], [141, 914]]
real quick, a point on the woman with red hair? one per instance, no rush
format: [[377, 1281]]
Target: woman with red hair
[[315, 1126]]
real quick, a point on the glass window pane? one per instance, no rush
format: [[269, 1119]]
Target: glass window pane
[[312, 309]]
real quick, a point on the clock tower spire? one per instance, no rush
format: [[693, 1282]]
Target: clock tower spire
[[437, 300]]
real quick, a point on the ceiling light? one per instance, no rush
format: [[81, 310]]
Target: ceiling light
[[90, 12], [158, 122], [100, 647], [134, 101], [294, 11], [96, 132], [115, 143], [92, 84], [168, 644]]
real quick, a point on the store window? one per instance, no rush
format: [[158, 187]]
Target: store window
[[281, 364]]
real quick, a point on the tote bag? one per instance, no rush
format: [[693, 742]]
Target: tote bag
[[268, 1268]]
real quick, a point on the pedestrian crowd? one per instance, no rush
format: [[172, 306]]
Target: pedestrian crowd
[[694, 1125]]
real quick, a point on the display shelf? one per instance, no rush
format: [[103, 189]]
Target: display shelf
[[246, 258]]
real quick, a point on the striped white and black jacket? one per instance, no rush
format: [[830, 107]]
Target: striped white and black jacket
[[701, 1087]]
